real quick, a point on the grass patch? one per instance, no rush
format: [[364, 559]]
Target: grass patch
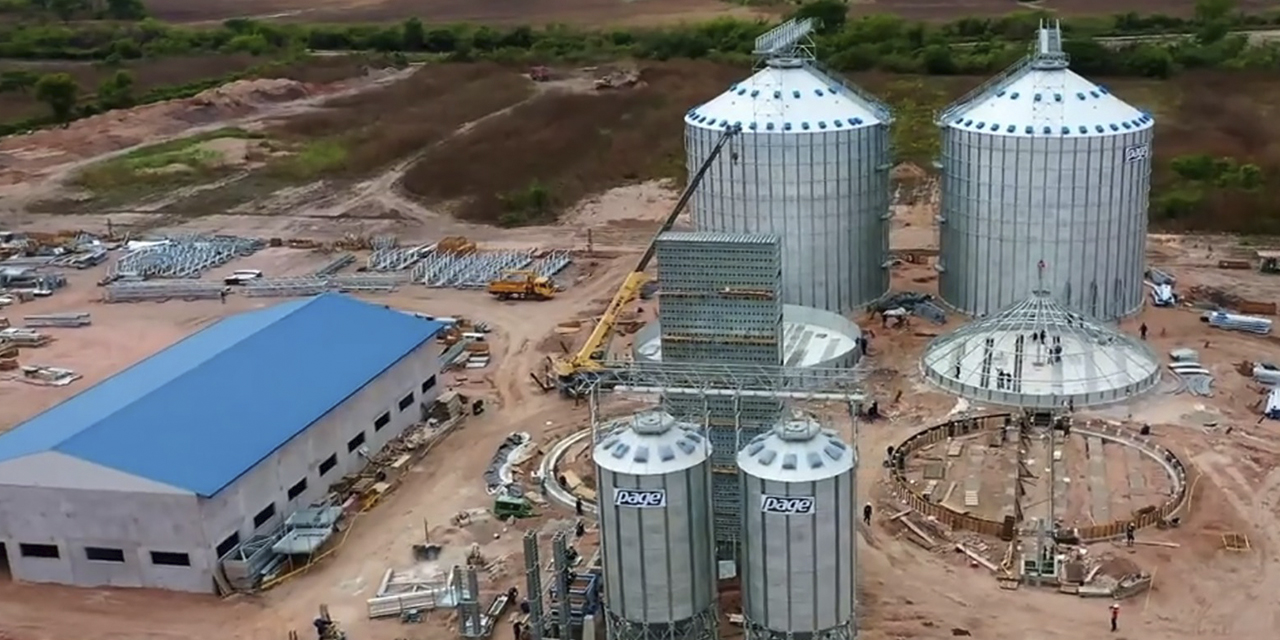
[[314, 158], [171, 164]]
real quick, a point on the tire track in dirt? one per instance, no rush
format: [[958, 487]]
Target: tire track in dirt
[[1236, 617]]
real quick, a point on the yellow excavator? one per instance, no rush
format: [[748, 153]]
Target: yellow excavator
[[569, 371]]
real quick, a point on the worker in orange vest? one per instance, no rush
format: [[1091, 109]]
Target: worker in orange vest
[[1115, 616]]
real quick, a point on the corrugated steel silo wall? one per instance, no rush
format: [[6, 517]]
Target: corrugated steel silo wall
[[825, 194], [799, 571], [1009, 202], [660, 562]]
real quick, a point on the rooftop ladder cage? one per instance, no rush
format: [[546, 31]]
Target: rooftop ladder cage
[[791, 40], [791, 44], [1046, 54]]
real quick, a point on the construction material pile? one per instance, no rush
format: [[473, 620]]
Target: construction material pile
[[24, 338], [66, 320], [499, 477], [1237, 322], [179, 256], [456, 262], [1196, 379], [161, 291], [911, 302], [48, 376], [315, 285]]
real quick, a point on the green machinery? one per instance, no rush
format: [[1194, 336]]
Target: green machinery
[[505, 506]]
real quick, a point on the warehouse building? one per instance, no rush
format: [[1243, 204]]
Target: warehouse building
[[149, 477]]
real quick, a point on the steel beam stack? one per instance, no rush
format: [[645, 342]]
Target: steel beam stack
[[138, 291], [79, 319], [721, 302], [315, 285]]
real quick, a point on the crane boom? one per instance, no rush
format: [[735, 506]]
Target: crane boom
[[586, 359]]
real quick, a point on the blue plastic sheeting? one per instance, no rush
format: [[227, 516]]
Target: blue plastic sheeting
[[206, 410]]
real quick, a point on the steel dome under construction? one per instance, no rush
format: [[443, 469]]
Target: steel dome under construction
[[1038, 354], [1045, 175]]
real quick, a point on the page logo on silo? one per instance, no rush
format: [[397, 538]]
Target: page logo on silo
[[642, 499], [1136, 153], [787, 505]]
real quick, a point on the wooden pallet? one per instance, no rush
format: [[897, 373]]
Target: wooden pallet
[[1235, 542]]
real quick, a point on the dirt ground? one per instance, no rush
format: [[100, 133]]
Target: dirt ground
[[1201, 590]]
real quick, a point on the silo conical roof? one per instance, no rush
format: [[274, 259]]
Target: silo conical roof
[[1037, 353], [787, 96], [1041, 96]]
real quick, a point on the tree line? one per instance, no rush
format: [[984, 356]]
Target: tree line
[[881, 42]]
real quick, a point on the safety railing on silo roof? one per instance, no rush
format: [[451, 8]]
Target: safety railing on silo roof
[[986, 87], [872, 103]]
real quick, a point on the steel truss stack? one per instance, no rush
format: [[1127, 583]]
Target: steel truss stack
[[475, 270], [182, 256]]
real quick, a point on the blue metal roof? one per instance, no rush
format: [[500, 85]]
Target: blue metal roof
[[204, 411]]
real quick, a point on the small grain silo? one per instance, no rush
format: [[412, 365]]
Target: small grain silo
[[1045, 184], [799, 533], [653, 479], [809, 166]]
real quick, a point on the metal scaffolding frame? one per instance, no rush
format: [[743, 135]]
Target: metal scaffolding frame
[[713, 379]]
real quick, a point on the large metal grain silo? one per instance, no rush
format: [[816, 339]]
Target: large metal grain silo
[[1045, 183], [810, 166], [653, 478], [799, 526]]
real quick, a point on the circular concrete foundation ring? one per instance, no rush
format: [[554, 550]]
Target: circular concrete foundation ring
[[1147, 516]]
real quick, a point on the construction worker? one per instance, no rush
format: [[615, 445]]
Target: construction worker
[[1115, 616], [1129, 530], [1142, 331], [866, 514]]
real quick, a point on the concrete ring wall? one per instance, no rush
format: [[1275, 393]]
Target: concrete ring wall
[[549, 471], [1148, 516]]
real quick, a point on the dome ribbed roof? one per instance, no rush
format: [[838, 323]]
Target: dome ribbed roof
[[1036, 353], [786, 98], [1039, 96]]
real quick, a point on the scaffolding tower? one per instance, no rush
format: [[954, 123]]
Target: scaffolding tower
[[721, 302]]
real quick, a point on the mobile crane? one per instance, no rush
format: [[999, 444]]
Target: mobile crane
[[569, 371]]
